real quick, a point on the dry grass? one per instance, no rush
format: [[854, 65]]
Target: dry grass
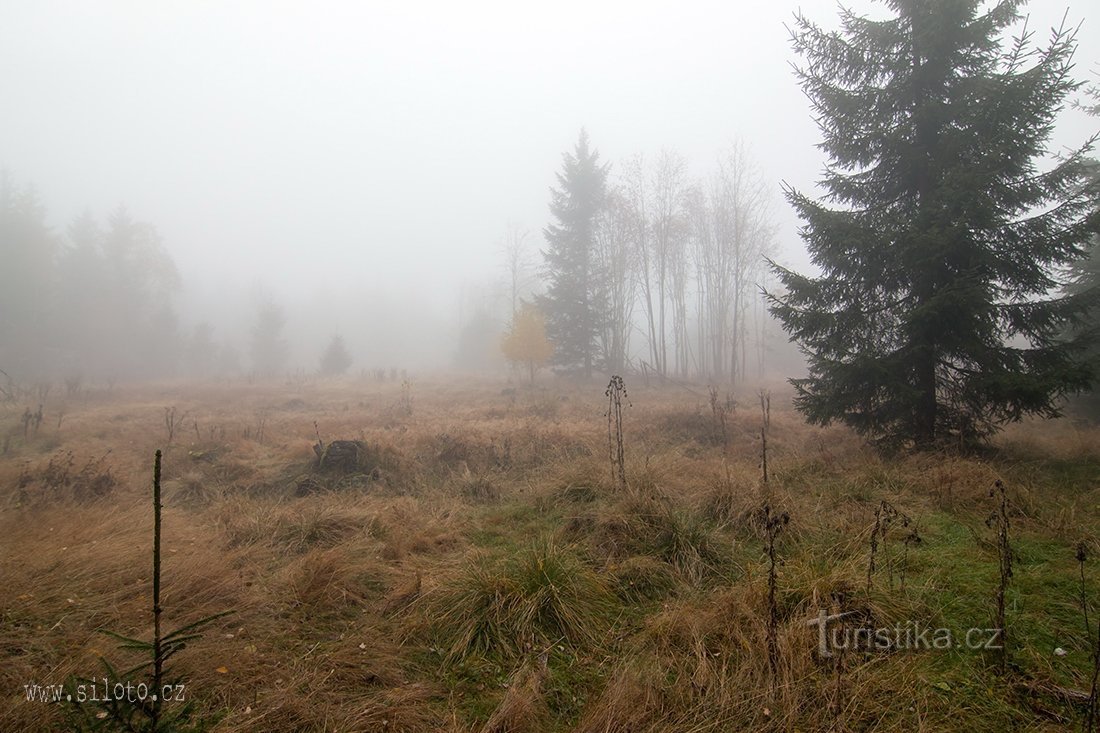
[[491, 576], [544, 595]]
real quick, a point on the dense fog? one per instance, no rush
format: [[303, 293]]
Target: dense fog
[[231, 190]]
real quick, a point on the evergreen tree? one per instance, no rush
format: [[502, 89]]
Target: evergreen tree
[[571, 303], [336, 358], [134, 297], [269, 349], [1084, 275], [84, 298], [937, 312], [27, 251]]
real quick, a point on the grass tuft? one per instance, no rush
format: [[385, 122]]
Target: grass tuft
[[544, 594], [686, 540], [641, 578]]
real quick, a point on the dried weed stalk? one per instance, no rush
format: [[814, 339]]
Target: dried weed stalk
[[998, 521], [773, 525], [1090, 711], [886, 515], [616, 393], [719, 411]]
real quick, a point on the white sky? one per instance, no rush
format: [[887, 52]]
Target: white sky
[[334, 147]]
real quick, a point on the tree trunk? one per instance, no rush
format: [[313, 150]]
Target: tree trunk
[[926, 406], [925, 285]]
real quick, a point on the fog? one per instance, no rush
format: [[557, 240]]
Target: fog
[[361, 165]]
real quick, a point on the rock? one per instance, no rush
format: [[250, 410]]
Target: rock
[[339, 455]]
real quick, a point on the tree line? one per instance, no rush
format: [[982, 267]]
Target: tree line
[[98, 299], [649, 249], [957, 286]]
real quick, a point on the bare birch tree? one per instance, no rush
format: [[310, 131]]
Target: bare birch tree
[[516, 264], [668, 229], [730, 236], [615, 255], [637, 193]]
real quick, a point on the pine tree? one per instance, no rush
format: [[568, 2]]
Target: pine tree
[[336, 359], [937, 313], [571, 303], [269, 349], [27, 250]]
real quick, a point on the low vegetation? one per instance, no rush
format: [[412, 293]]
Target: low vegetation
[[477, 561]]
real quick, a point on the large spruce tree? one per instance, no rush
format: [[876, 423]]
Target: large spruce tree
[[571, 303], [937, 313], [1084, 275]]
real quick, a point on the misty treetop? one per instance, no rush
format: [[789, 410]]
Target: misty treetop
[[940, 240], [98, 301]]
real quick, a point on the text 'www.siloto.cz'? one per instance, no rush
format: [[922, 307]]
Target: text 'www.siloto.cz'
[[104, 690]]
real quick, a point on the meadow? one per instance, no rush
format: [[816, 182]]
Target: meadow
[[478, 564]]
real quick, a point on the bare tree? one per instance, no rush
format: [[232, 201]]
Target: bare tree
[[615, 254], [516, 264], [700, 236], [669, 243], [637, 194], [752, 240], [731, 235]]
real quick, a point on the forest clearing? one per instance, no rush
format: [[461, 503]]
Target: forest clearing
[[481, 567]]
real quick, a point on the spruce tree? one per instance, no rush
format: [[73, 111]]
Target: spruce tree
[[571, 303], [1084, 275], [269, 349], [335, 360], [937, 314]]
